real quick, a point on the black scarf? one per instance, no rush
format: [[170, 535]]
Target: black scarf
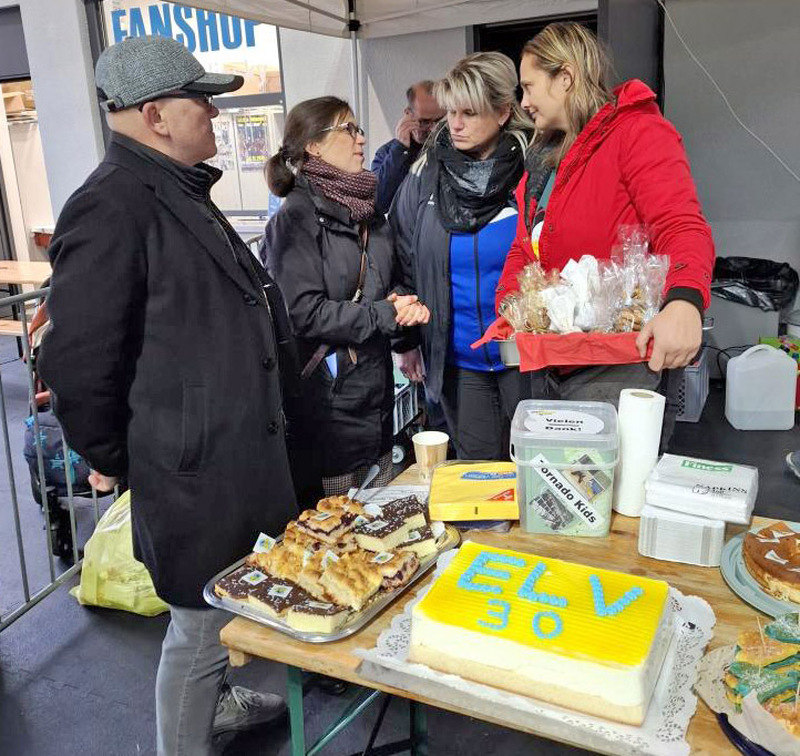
[[471, 192]]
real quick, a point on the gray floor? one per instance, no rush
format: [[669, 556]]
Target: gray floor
[[75, 680]]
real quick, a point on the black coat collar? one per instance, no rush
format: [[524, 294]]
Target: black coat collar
[[176, 201]]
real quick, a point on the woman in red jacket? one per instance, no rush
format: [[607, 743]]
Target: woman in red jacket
[[604, 159]]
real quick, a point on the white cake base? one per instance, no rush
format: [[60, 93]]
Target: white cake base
[[620, 693]]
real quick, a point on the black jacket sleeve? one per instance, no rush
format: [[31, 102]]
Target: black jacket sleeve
[[403, 220], [295, 262], [96, 306], [391, 164]]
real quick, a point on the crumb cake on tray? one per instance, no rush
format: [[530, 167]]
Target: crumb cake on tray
[[331, 566], [580, 637]]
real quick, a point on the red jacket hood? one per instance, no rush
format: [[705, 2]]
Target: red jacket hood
[[633, 92]]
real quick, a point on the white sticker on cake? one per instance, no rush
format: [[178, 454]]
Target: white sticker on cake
[[776, 537], [377, 525], [383, 557], [307, 554], [373, 510], [563, 423], [322, 516], [360, 520], [328, 558], [414, 535], [775, 558], [318, 605], [279, 591], [567, 493], [254, 578], [437, 528], [264, 543]]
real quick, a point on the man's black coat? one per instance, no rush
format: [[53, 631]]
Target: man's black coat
[[163, 362]]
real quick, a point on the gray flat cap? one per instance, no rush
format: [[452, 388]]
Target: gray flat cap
[[139, 69]]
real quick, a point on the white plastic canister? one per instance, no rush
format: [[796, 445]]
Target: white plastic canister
[[760, 390]]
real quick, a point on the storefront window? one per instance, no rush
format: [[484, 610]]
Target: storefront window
[[250, 123], [22, 171]]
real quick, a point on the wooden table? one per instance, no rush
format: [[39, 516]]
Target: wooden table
[[246, 639], [15, 273]]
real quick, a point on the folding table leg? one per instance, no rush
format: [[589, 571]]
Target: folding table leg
[[419, 729], [296, 716]]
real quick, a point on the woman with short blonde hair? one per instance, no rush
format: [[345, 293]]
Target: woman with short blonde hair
[[602, 160], [454, 219]]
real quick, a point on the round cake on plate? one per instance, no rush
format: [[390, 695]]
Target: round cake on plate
[[772, 557]]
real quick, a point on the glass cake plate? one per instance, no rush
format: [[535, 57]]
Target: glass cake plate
[[449, 539], [744, 585]]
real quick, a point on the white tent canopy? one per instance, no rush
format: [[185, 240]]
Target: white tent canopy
[[382, 18]]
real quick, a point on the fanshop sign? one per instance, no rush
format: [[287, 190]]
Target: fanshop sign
[[199, 30]]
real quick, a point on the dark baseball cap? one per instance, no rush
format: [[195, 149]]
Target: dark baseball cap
[[139, 69]]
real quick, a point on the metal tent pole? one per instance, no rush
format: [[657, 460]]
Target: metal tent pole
[[353, 25]]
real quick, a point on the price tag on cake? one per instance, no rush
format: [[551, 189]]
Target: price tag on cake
[[280, 590], [321, 517], [383, 557], [328, 558], [254, 578], [264, 543], [376, 525]]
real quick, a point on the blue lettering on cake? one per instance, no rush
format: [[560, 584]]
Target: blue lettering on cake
[[609, 610], [558, 626], [478, 567], [527, 590], [502, 615]]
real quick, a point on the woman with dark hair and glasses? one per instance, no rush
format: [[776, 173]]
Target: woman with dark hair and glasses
[[333, 257]]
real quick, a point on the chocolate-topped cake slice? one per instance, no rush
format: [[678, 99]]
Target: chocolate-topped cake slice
[[421, 541], [312, 616], [274, 596], [328, 527], [238, 584], [409, 509], [383, 534]]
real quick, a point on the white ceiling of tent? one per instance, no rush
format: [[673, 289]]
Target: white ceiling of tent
[[382, 18]]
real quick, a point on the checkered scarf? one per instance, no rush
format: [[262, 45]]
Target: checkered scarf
[[356, 191]]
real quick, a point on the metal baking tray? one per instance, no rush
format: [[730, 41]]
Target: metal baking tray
[[448, 540]]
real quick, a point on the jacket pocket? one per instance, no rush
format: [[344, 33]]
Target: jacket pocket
[[193, 428]]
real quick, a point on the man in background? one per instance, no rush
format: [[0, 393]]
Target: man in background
[[393, 160]]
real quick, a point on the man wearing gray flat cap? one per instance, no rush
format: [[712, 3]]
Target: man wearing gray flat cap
[[165, 360]]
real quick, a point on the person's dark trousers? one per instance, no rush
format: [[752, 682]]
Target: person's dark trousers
[[604, 384], [479, 407]]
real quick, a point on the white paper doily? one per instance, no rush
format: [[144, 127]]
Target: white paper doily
[[663, 732]]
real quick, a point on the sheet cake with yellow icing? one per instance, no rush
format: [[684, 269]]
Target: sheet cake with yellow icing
[[588, 639]]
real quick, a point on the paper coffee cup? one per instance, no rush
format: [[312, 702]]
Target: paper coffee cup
[[430, 449]]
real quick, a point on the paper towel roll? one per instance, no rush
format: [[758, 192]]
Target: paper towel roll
[[641, 415]]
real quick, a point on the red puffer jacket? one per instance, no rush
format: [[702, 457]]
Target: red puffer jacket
[[627, 166]]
